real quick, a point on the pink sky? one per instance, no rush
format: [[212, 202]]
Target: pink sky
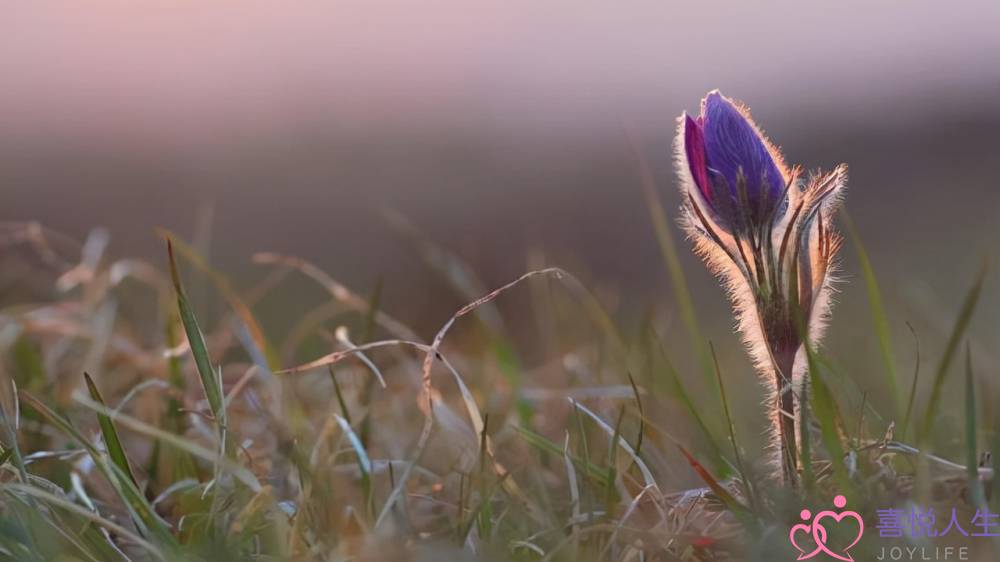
[[186, 70]]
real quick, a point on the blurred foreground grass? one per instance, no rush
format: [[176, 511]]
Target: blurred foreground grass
[[132, 429]]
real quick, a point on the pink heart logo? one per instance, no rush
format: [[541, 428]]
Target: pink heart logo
[[808, 531], [819, 534]]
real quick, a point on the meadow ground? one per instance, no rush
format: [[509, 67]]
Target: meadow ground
[[135, 429]]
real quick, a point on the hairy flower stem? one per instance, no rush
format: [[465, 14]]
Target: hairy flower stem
[[764, 229], [784, 414]]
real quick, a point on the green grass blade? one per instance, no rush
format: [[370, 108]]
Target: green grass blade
[[611, 496], [370, 323], [913, 386], [680, 392], [542, 443], [209, 380], [229, 293], [110, 434], [976, 493], [62, 503], [616, 438], [805, 447], [142, 512], [484, 515], [10, 430], [827, 414], [29, 368], [747, 486], [640, 433], [668, 250], [482, 512], [879, 319], [180, 443], [340, 395], [181, 464], [961, 323]]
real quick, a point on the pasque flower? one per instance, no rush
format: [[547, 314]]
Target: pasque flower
[[765, 230]]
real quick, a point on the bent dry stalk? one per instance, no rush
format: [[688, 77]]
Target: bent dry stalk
[[764, 229]]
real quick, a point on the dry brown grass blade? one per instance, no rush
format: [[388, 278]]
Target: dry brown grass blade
[[338, 291], [731, 502]]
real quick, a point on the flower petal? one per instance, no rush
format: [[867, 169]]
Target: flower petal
[[732, 144], [694, 149]]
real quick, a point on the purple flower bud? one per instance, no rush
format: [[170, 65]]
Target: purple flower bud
[[724, 148], [767, 232]]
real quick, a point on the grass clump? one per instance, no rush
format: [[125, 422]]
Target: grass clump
[[191, 438]]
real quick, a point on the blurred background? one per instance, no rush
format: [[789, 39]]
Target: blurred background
[[498, 129]]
